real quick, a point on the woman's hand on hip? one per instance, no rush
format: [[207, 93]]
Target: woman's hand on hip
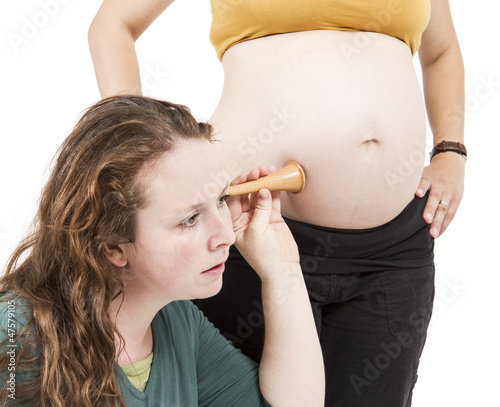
[[262, 236], [445, 179]]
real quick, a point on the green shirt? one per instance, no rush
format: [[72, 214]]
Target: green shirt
[[193, 364]]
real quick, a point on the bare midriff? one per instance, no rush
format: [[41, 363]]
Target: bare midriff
[[345, 105]]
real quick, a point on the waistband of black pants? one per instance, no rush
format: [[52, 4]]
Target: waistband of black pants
[[402, 243]]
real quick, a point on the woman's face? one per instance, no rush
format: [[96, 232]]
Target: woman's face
[[184, 232]]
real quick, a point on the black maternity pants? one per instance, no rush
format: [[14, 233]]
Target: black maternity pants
[[371, 292]]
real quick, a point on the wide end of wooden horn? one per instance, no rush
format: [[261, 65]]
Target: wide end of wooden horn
[[290, 178]]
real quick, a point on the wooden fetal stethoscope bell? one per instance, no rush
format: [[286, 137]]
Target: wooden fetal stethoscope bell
[[290, 178]]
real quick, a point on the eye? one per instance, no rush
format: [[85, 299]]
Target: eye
[[222, 200], [191, 221]]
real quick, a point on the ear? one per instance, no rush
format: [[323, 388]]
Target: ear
[[114, 253]]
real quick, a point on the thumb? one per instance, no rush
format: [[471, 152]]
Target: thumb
[[263, 209]]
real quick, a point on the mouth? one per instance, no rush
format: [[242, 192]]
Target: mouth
[[214, 271]]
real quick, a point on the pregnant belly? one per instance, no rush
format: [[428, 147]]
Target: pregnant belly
[[357, 124]]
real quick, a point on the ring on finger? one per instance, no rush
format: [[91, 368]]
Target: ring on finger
[[445, 204]]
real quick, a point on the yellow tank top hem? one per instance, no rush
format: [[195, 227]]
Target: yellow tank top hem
[[235, 21]]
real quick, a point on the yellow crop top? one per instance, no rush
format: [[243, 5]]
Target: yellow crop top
[[235, 21]]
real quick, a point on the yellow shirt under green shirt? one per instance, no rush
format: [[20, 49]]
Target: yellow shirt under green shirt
[[138, 373]]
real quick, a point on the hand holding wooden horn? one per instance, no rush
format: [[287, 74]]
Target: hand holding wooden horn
[[290, 178]]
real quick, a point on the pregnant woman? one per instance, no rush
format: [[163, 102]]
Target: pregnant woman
[[331, 84]]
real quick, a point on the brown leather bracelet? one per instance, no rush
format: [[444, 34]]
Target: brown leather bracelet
[[454, 146]]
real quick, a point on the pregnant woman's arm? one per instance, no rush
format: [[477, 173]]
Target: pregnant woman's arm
[[443, 78], [112, 35]]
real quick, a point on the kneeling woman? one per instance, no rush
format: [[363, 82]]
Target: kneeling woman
[[130, 226]]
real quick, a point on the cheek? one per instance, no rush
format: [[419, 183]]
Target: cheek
[[190, 251], [151, 252], [181, 254], [169, 252]]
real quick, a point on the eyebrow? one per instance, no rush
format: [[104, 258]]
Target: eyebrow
[[200, 204]]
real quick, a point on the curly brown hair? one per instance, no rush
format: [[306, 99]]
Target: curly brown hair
[[60, 270]]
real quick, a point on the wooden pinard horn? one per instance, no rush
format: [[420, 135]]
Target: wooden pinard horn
[[290, 178]]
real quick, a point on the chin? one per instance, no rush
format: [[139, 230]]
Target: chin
[[213, 289]]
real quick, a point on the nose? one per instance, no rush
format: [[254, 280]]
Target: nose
[[222, 234]]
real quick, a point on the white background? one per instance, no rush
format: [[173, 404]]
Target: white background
[[47, 79]]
